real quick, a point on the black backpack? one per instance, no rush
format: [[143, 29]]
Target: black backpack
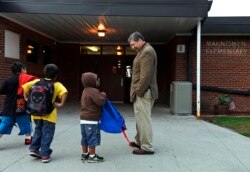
[[40, 98]]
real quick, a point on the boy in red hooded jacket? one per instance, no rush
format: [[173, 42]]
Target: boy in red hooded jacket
[[14, 106]]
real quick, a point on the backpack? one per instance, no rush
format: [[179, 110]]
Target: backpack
[[40, 98], [111, 120], [20, 101]]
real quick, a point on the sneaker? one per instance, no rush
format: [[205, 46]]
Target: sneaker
[[27, 141], [96, 158], [46, 159], [85, 157], [35, 153]]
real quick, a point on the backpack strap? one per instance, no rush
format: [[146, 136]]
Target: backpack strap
[[47, 80], [22, 79]]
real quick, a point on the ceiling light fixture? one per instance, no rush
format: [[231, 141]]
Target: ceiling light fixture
[[101, 30], [101, 33]]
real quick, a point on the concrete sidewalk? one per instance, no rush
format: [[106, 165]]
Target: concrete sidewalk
[[183, 144]]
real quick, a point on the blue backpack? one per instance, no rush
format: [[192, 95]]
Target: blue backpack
[[40, 98], [111, 120]]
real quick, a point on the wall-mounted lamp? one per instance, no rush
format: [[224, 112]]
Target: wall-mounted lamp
[[29, 49], [101, 30], [119, 53], [119, 50]]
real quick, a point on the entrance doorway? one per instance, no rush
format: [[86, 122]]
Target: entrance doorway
[[111, 74], [111, 70]]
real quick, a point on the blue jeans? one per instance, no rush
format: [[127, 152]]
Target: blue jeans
[[8, 122], [43, 136], [91, 135]]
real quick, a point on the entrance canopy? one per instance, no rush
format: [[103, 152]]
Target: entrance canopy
[[77, 21], [226, 26]]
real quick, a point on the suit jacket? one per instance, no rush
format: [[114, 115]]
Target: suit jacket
[[144, 73]]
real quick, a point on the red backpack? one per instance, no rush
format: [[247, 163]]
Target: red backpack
[[20, 102]]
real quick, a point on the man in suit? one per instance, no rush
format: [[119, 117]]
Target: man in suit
[[143, 92]]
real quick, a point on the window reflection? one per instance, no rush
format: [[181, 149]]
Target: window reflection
[[90, 50], [107, 50]]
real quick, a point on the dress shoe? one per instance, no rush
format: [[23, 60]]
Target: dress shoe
[[142, 152], [133, 144]]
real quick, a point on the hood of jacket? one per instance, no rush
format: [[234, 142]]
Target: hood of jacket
[[89, 80]]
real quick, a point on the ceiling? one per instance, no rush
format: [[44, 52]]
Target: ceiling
[[83, 29], [158, 20]]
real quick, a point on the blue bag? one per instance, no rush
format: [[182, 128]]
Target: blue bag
[[111, 120]]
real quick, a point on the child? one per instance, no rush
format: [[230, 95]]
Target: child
[[91, 101], [14, 106], [45, 125]]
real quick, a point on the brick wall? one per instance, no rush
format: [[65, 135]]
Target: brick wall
[[68, 62], [225, 63], [5, 63], [178, 61]]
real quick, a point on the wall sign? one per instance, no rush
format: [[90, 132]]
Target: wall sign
[[180, 48], [226, 48]]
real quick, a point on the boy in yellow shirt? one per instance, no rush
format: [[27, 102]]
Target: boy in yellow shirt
[[45, 125]]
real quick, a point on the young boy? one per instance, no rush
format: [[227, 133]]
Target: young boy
[[45, 125], [14, 106], [91, 101]]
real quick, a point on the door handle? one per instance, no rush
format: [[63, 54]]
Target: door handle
[[121, 82]]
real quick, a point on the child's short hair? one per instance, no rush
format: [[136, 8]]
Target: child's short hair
[[51, 71], [17, 67]]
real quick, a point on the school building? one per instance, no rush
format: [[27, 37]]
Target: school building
[[186, 40]]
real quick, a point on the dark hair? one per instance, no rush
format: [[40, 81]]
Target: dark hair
[[51, 71], [17, 67], [135, 37]]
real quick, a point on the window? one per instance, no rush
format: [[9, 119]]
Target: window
[[107, 50], [11, 45], [130, 51], [47, 55], [90, 50], [32, 51]]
